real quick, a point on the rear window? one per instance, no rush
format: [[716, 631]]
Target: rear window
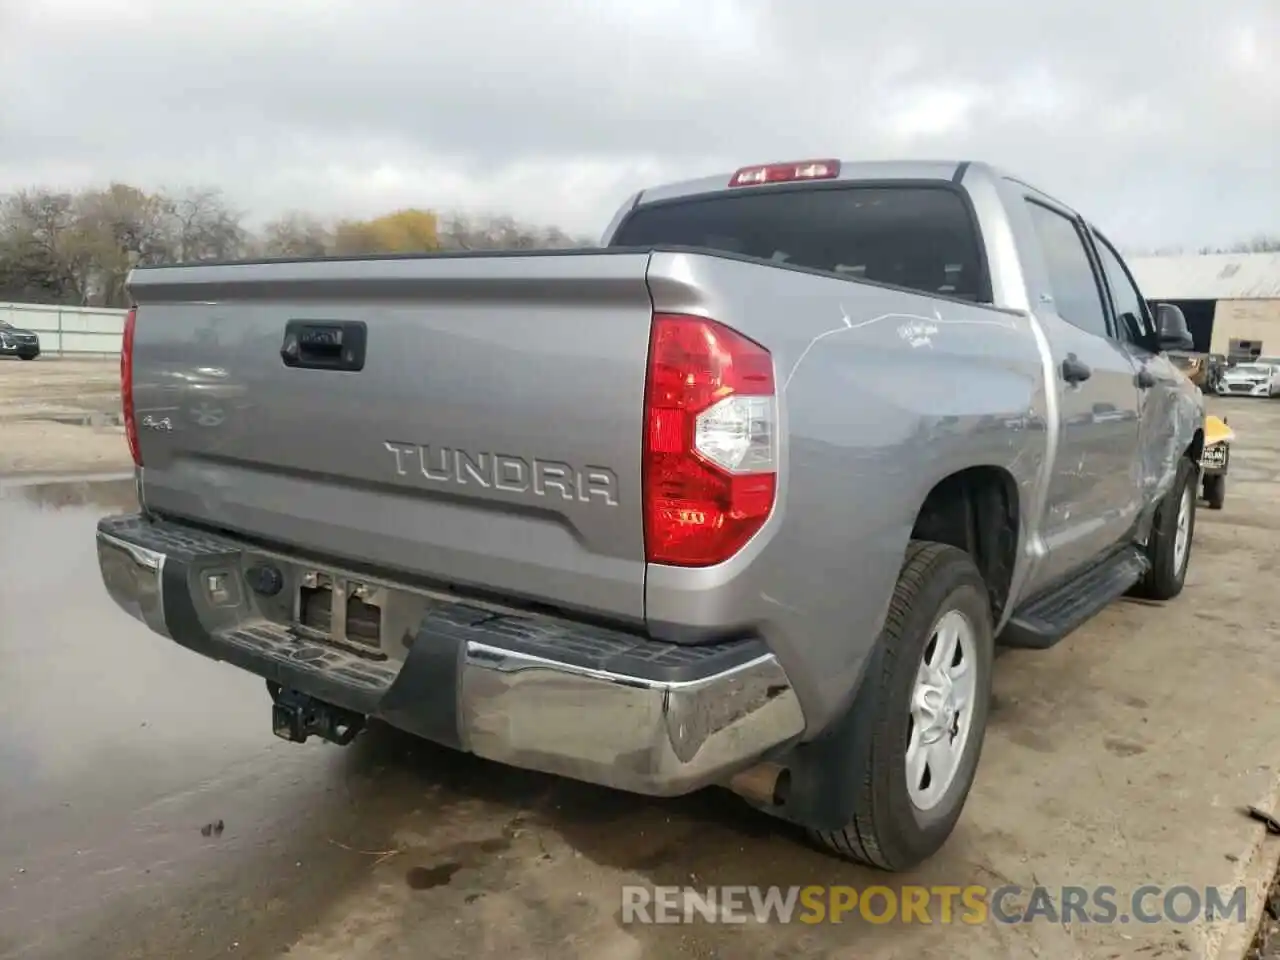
[[922, 238]]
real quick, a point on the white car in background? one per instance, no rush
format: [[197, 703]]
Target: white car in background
[[1251, 380]]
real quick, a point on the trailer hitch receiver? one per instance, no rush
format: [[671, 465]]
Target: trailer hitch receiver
[[297, 716]]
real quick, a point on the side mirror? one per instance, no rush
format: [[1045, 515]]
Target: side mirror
[[1171, 326]]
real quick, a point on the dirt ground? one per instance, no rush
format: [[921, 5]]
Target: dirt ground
[[1122, 756], [61, 416], [1266, 943]]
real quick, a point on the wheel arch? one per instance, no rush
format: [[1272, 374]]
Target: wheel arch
[[978, 510], [1196, 447]]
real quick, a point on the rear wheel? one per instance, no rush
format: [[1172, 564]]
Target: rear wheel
[[1169, 547], [1215, 490], [928, 716]]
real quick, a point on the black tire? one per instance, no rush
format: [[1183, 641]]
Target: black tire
[[887, 829], [25, 356], [1215, 491], [1165, 578]]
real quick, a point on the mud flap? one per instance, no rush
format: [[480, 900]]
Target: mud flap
[[824, 778]]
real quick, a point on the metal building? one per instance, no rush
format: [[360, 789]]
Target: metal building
[[1231, 300]]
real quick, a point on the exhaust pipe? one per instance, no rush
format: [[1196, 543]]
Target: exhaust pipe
[[766, 784]]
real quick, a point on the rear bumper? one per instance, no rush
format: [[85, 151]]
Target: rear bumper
[[583, 702]]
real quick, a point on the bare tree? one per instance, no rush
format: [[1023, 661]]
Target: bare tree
[[119, 228], [203, 226], [60, 247], [1261, 243], [460, 232], [297, 235]]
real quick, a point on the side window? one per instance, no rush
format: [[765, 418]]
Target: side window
[[1131, 310], [1076, 294]]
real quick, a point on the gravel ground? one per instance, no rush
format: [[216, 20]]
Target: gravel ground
[[61, 416]]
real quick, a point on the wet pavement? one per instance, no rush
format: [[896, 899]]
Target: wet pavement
[[146, 811], [116, 748]]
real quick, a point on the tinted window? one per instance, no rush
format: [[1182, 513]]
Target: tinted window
[[917, 237], [1075, 286], [1130, 307]]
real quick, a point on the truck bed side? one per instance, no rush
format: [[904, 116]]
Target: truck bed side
[[883, 393]]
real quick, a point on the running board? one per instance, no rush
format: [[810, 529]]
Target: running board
[[1046, 619]]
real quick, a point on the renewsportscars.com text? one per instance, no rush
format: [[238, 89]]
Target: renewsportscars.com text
[[973, 904]]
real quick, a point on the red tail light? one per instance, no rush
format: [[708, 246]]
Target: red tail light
[[126, 387], [710, 445], [784, 172]]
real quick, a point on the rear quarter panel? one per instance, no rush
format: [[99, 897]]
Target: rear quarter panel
[[883, 393]]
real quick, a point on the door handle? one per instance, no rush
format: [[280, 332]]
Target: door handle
[[324, 345], [1146, 379], [1075, 370]]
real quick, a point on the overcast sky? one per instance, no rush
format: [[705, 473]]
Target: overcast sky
[[1160, 119]]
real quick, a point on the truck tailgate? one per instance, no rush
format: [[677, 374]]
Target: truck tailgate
[[490, 437]]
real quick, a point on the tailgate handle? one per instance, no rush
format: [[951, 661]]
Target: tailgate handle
[[324, 344]]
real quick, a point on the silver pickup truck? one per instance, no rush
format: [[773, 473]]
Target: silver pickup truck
[[744, 497]]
